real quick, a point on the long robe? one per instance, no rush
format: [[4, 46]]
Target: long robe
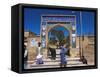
[[53, 53], [39, 57], [25, 56], [63, 55]]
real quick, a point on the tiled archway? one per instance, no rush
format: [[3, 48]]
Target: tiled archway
[[67, 21]]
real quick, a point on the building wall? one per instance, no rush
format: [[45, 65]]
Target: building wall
[[85, 41], [88, 45], [26, 34]]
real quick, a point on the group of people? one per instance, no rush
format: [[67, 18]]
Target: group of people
[[39, 57], [63, 55]]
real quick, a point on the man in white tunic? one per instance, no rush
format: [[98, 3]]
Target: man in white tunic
[[39, 58]]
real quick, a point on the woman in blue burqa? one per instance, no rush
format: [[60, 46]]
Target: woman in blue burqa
[[63, 58]]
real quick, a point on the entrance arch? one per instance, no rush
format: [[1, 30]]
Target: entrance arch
[[68, 22], [55, 26]]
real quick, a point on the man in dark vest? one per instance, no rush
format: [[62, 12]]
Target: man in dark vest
[[52, 53]]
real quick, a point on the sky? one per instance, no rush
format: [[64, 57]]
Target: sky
[[32, 19]]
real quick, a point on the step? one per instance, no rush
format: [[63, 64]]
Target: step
[[43, 67], [58, 51], [48, 63], [39, 67], [57, 63], [57, 60], [57, 56], [53, 66]]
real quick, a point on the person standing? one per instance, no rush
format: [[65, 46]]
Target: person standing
[[63, 60], [25, 56], [39, 57], [52, 53], [57, 44]]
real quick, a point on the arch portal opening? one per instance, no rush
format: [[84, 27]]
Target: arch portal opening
[[57, 36]]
